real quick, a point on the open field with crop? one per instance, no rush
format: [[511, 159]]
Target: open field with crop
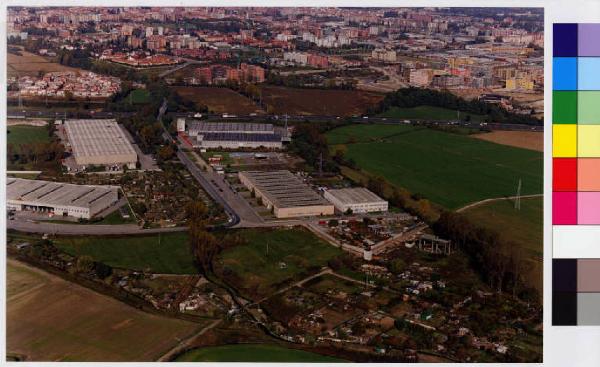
[[329, 102], [165, 253], [272, 258], [252, 353], [30, 64], [521, 139], [50, 319], [429, 113], [21, 134], [219, 100], [449, 169], [526, 228]]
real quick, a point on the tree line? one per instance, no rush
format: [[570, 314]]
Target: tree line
[[413, 97]]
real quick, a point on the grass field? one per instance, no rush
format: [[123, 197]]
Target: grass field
[[165, 254], [219, 100], [526, 228], [21, 134], [50, 319], [258, 271], [30, 64], [428, 113], [449, 169], [139, 96], [252, 353], [330, 102]]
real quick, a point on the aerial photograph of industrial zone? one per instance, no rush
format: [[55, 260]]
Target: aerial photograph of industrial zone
[[269, 184]]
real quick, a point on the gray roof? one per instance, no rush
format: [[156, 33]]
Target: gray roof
[[55, 193], [284, 189], [240, 137], [230, 127], [97, 138], [355, 195]]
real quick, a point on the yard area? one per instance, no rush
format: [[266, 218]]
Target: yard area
[[449, 169], [273, 258], [163, 253], [50, 319]]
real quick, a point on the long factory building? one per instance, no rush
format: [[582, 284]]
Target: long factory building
[[99, 142], [286, 194], [79, 201], [232, 135], [356, 199]]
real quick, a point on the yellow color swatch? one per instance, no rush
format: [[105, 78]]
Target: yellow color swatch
[[564, 140], [588, 141]]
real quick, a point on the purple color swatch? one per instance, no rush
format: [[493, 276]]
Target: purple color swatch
[[588, 39], [564, 208]]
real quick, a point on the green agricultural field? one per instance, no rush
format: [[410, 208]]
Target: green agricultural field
[[166, 253], [139, 96], [449, 169], [24, 134], [526, 229], [252, 353], [257, 265], [429, 113]]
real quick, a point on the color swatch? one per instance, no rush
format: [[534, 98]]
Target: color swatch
[[576, 174]]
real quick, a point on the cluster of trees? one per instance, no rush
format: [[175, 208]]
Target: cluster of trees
[[34, 153], [311, 145], [499, 262], [309, 81], [413, 97]]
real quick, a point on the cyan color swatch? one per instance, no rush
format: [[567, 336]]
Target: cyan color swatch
[[588, 73]]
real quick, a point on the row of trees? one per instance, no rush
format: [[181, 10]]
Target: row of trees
[[413, 97]]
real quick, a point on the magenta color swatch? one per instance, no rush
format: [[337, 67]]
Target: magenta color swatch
[[588, 40], [588, 208], [564, 207]]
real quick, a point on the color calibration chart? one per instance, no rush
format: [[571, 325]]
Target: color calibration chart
[[576, 174]]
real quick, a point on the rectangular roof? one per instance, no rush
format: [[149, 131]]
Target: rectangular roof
[[231, 127], [96, 137], [355, 195], [284, 189], [55, 193], [241, 137]]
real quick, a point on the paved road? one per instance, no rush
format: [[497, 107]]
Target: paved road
[[84, 229]]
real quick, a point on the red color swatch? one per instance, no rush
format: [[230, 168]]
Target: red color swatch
[[564, 174]]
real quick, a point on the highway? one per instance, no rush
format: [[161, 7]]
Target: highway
[[290, 118]]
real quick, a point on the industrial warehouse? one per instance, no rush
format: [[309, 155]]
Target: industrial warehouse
[[286, 194], [99, 142], [226, 135], [356, 200], [79, 201]]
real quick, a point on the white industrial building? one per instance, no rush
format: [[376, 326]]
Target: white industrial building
[[232, 135], [99, 142], [79, 201], [285, 193], [357, 199]]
